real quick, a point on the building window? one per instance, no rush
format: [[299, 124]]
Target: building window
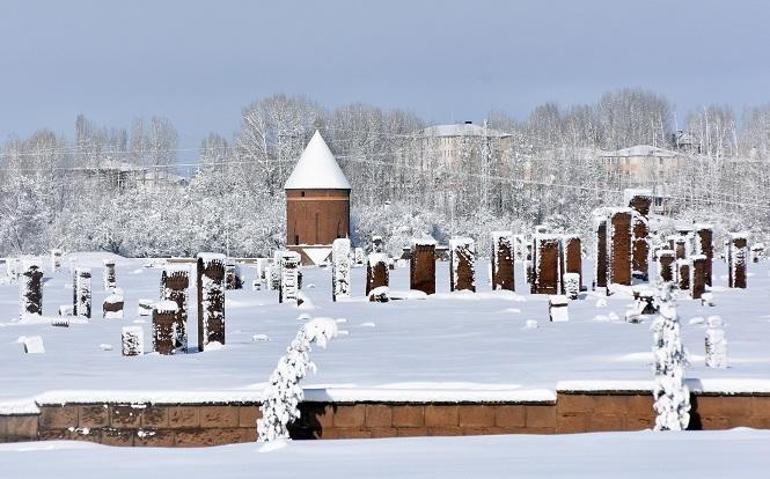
[[302, 194], [296, 239]]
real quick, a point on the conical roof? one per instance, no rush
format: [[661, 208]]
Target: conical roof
[[317, 169]]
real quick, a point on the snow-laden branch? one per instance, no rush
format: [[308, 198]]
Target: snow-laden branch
[[282, 396]]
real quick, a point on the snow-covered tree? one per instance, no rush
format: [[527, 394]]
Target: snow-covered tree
[[672, 396], [281, 398]]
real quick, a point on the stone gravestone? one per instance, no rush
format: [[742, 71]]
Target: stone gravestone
[[698, 276], [547, 270], [619, 245], [462, 258], [572, 260], [377, 273], [31, 289], [422, 266], [174, 284], [211, 300], [502, 261], [738, 254], [164, 332]]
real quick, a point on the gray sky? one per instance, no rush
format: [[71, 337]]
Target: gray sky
[[199, 63]]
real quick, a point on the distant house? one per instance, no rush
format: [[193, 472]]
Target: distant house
[[121, 174], [645, 166], [447, 144]]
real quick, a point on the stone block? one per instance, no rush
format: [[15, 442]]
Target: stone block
[[541, 416], [445, 431], [154, 417], [378, 415], [92, 416], [248, 415], [17, 428], [117, 437], [378, 432], [408, 416], [154, 438], [442, 416], [58, 417], [510, 415], [349, 416], [572, 403], [605, 422], [197, 437], [218, 416], [412, 431], [568, 423], [125, 417], [476, 416], [183, 417]]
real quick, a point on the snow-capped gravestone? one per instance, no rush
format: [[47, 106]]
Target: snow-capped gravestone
[[757, 252], [704, 245], [683, 267], [679, 244], [697, 276], [233, 278], [377, 274], [502, 261], [174, 284], [558, 308], [547, 270], [665, 265], [572, 260], [619, 233], [109, 278], [132, 339], [56, 255], [112, 307], [640, 201], [571, 285], [288, 289], [602, 260], [671, 395], [211, 300], [716, 343], [82, 293], [422, 265], [31, 289], [32, 344], [737, 258], [378, 245], [164, 327], [281, 398], [462, 264], [12, 269], [341, 250]]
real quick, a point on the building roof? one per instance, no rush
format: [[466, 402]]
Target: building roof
[[317, 169], [641, 150], [462, 129]]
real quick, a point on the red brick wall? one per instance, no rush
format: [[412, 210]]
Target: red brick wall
[[317, 217]]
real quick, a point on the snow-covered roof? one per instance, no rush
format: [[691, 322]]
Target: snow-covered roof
[[317, 169], [462, 129], [641, 150]]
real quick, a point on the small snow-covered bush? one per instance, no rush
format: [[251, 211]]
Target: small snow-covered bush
[[672, 396], [716, 343], [283, 394]]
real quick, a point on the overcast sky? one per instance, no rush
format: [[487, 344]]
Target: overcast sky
[[199, 63]]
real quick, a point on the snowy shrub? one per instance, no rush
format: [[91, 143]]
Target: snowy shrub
[[672, 397], [132, 338], [571, 285], [31, 289], [340, 268], [82, 290], [283, 394]]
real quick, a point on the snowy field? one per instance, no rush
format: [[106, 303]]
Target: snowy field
[[713, 454], [449, 342]]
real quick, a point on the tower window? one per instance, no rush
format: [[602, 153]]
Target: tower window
[[302, 194], [296, 239]]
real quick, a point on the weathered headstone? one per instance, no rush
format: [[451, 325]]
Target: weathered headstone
[[502, 260], [164, 327], [112, 307], [737, 260], [698, 276], [462, 264], [666, 272], [640, 201], [619, 232], [704, 245], [547, 270], [174, 284], [422, 265], [572, 260], [341, 267], [82, 292], [288, 290], [683, 273], [211, 300], [56, 255], [109, 278], [132, 338], [558, 308], [377, 274], [378, 245], [602, 259], [31, 288], [233, 278]]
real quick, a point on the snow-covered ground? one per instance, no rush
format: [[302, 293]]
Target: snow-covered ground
[[713, 454], [449, 342]]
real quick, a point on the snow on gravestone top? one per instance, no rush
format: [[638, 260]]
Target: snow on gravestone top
[[209, 257], [166, 306], [423, 241], [631, 193], [460, 241], [376, 258], [317, 169], [740, 235]]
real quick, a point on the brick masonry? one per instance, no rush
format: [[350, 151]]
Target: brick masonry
[[195, 425]]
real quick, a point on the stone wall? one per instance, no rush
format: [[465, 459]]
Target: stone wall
[[191, 425]]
